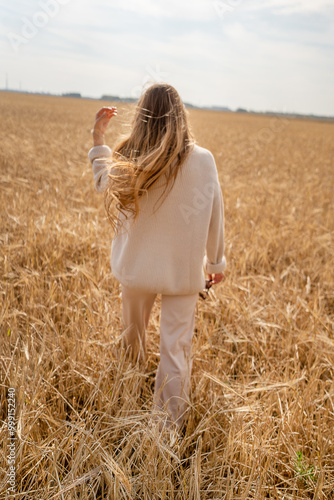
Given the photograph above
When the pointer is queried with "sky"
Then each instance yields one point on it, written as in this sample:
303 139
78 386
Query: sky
261 55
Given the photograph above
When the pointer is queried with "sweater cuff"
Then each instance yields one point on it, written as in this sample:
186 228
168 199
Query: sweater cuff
214 268
103 151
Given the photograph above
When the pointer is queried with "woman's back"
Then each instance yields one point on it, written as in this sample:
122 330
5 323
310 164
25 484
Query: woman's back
162 250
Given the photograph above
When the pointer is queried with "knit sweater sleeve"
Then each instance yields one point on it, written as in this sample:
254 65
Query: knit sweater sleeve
99 158
215 261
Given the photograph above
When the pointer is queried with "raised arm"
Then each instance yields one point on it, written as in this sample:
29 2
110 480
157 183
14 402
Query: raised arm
102 119
99 153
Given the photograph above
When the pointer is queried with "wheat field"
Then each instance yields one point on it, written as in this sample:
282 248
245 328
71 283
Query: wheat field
261 422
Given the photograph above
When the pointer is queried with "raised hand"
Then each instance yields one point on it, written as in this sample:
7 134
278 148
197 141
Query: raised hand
102 119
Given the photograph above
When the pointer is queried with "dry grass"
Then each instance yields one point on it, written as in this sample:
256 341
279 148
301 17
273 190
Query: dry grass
262 417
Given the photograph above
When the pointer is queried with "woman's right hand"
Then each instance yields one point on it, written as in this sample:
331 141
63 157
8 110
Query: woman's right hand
102 119
216 278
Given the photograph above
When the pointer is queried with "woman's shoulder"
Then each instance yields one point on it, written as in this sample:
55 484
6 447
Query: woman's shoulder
202 153
202 156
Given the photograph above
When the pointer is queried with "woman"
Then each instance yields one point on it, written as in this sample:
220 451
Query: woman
164 200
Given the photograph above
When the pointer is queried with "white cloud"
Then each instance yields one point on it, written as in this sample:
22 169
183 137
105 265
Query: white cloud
288 6
174 9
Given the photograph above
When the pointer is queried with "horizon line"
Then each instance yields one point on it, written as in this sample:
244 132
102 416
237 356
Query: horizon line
114 98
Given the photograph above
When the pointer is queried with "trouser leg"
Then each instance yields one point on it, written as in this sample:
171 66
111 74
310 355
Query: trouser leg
136 309
173 378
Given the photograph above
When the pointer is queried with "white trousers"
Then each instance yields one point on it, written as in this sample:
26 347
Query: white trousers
173 378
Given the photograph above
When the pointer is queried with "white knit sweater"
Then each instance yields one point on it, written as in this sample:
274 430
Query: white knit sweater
168 249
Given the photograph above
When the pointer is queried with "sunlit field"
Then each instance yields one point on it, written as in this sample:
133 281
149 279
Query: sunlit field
261 424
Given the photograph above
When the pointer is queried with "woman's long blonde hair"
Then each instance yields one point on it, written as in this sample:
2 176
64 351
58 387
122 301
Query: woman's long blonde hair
157 146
